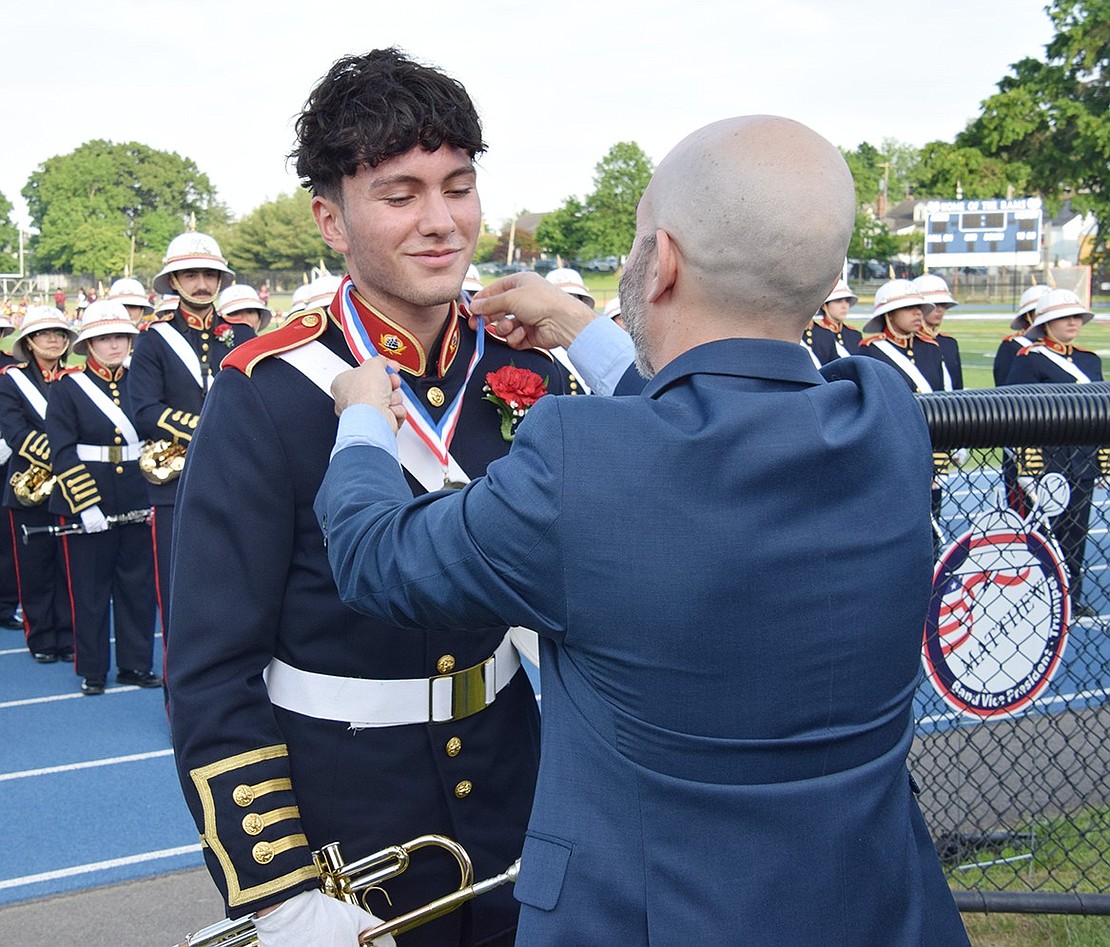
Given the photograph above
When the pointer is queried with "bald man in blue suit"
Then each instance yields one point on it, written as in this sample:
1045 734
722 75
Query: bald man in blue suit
725 721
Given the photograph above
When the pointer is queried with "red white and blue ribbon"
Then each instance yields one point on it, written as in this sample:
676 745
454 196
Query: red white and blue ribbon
436 436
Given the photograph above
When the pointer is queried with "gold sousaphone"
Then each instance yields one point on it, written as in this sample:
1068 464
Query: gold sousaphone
352 881
162 461
33 485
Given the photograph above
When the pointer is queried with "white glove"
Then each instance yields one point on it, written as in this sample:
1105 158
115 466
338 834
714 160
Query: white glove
311 917
959 456
93 520
5 451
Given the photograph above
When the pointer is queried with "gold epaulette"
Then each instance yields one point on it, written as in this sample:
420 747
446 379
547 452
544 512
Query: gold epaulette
301 329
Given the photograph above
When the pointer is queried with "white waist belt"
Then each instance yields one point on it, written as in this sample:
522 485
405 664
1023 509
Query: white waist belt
116 454
391 703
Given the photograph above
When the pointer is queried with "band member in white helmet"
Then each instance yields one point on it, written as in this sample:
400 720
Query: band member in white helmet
41 346
828 336
96 454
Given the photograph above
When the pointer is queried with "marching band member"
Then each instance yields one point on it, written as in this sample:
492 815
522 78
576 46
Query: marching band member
934 289
828 337
96 453
1053 358
40 347
131 294
171 371
241 303
1012 344
296 721
11 615
897 318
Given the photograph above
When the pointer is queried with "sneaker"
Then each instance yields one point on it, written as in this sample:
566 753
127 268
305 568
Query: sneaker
92 686
138 678
45 657
65 654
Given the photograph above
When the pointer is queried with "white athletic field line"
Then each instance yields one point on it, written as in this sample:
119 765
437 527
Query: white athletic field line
88 764
76 695
99 866
23 650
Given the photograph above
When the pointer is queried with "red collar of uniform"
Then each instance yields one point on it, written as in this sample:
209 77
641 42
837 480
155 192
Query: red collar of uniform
50 374
396 342
826 323
927 338
193 321
1053 346
892 338
92 365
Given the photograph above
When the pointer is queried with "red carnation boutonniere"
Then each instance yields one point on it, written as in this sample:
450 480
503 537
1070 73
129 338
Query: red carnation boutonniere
514 390
225 333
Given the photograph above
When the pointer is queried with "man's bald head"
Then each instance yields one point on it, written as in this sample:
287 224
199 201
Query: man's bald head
761 210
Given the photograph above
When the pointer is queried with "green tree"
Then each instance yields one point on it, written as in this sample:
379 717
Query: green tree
563 231
945 171
280 235
610 213
9 238
89 205
871 238
605 222
1053 116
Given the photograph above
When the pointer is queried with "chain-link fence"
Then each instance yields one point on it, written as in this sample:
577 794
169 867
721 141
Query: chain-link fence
1013 718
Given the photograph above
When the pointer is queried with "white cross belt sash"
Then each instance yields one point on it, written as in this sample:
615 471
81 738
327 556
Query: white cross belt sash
903 364
1071 368
29 391
112 411
320 365
363 703
181 348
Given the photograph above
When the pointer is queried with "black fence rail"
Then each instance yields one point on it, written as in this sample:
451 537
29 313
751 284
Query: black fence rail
1012 750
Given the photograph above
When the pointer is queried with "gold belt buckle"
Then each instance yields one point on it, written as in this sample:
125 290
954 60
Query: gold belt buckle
115 454
468 690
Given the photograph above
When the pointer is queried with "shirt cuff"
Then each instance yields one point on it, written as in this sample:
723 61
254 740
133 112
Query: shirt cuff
361 424
601 354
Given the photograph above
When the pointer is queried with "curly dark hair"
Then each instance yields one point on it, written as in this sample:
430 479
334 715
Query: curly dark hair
377 106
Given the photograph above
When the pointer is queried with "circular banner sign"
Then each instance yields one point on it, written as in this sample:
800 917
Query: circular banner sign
998 621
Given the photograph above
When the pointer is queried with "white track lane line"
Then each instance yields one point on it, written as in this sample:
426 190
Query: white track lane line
90 764
98 866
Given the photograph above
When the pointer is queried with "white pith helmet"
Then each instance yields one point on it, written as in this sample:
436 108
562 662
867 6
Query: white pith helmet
130 292
239 297
842 291
570 281
472 282
1028 305
895 294
166 304
35 320
612 308
1055 304
322 290
192 251
935 290
103 317
300 297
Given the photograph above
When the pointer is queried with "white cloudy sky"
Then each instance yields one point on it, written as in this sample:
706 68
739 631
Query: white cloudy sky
220 81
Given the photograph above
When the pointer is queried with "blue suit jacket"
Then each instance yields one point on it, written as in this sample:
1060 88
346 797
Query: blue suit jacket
725 721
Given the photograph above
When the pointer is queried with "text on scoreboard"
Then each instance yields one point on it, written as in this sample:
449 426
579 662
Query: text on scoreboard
996 232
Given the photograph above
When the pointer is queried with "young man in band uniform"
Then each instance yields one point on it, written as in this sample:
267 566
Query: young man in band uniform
359 736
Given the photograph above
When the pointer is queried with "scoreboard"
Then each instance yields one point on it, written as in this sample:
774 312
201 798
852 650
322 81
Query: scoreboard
996 232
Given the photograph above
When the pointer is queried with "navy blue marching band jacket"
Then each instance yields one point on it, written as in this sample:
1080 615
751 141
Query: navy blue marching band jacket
828 341
273 768
171 371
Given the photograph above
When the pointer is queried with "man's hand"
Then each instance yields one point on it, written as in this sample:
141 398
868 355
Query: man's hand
311 917
529 312
94 520
374 384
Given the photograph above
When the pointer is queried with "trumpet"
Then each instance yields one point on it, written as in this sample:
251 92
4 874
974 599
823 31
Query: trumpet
352 881
69 529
